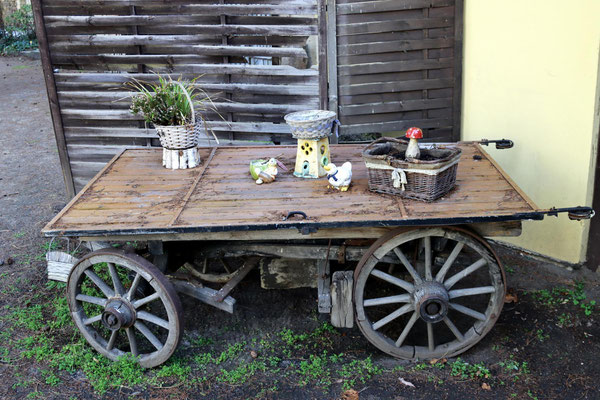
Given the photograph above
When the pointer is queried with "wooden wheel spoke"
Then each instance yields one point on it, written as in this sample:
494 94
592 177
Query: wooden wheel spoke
454 329
112 340
108 292
427 245
467 271
132 342
471 291
451 258
401 311
91 299
144 330
134 285
430 338
138 303
411 270
393 280
407 328
468 311
117 284
403 298
91 320
146 316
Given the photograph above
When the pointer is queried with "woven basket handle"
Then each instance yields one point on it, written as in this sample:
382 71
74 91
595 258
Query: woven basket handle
384 140
189 99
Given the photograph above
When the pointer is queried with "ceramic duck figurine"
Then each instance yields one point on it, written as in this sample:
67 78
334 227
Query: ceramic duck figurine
263 171
339 178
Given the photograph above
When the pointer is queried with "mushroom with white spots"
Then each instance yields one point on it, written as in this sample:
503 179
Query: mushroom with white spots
413 150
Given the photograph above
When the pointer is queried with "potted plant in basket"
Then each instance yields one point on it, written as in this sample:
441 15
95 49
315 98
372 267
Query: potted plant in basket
172 107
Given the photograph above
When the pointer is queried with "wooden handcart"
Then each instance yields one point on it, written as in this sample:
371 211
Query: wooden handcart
427 283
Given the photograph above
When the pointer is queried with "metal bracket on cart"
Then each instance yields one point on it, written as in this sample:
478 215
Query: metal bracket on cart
574 213
500 144
305 230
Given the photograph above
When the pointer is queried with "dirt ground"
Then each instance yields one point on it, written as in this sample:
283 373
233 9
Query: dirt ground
545 345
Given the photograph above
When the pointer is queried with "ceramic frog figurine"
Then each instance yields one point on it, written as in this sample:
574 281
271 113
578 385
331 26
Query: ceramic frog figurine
263 171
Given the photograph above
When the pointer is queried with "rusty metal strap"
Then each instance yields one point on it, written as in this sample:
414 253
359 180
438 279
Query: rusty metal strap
193 187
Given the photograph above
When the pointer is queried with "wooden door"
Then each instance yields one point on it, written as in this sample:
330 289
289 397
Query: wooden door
396 64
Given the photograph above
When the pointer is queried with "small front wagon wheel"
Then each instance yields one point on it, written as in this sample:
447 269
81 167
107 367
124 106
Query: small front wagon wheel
428 293
122 304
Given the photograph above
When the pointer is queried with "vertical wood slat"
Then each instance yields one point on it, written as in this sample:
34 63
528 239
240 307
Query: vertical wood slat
40 32
458 69
323 55
332 59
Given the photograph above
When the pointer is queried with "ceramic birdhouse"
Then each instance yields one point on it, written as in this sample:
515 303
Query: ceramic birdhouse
312 129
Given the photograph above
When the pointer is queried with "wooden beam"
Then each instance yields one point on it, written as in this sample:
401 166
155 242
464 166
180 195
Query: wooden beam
323 92
458 69
332 70
59 133
203 294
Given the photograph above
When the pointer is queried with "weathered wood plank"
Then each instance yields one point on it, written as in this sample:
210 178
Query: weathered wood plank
393 26
59 134
395 125
140 40
342 310
377 6
395 66
392 46
399 86
396 106
182 22
292 8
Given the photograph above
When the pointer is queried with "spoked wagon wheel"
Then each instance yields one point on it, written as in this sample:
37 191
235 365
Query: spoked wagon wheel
428 293
123 304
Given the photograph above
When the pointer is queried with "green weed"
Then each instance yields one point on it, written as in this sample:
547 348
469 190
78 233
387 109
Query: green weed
358 370
541 336
464 370
560 295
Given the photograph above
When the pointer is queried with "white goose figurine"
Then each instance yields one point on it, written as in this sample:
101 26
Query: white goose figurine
339 178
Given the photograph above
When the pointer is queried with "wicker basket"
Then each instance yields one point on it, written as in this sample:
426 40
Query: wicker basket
180 137
313 124
425 180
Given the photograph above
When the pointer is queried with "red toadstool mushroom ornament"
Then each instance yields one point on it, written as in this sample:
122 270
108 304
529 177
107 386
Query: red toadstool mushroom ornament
412 151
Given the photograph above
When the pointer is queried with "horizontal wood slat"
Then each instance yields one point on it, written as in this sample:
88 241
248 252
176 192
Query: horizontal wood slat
377 6
293 8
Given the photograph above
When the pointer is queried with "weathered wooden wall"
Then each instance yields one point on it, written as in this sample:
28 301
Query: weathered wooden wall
398 65
90 48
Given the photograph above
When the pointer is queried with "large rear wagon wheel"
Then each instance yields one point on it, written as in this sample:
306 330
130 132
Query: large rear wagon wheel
122 304
428 293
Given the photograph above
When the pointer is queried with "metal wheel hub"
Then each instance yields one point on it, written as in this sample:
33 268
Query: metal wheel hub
431 301
118 314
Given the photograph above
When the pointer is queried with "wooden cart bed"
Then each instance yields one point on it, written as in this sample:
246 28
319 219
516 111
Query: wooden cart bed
134 195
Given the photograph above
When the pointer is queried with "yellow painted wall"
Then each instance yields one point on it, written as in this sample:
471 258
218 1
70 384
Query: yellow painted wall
531 75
